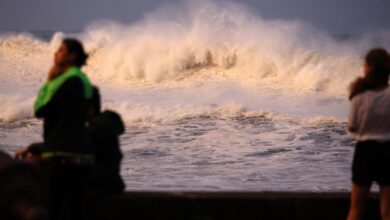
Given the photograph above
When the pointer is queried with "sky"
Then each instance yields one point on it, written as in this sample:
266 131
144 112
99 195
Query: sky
333 16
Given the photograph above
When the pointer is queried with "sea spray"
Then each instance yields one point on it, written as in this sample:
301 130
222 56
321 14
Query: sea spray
222 38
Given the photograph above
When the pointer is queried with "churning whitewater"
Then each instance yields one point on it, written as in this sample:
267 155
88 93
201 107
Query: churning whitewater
214 97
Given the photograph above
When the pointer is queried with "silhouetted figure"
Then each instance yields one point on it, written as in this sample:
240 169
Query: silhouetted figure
105 129
369 121
67 152
23 191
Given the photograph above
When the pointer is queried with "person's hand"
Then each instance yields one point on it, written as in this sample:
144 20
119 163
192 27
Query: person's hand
54 72
21 153
24 155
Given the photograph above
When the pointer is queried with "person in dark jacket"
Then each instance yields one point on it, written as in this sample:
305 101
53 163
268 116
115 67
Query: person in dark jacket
105 129
63 100
67 152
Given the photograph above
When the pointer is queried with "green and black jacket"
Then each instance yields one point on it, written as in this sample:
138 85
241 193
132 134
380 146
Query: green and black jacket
62 103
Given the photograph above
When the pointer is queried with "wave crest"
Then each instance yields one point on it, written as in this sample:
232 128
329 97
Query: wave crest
199 40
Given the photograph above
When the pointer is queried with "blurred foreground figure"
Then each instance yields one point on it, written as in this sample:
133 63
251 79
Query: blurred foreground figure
23 191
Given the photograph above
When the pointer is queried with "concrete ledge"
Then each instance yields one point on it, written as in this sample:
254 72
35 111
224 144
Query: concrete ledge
225 205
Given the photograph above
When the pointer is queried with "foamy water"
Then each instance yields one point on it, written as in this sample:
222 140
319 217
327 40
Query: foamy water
214 97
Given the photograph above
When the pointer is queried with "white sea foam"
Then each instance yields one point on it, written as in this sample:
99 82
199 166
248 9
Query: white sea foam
213 53
217 38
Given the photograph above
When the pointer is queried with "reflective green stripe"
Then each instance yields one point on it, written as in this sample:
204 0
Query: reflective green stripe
48 90
47 155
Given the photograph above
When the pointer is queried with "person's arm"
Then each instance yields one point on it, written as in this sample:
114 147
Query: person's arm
30 154
353 117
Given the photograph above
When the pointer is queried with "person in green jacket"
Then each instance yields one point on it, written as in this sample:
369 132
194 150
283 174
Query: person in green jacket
66 153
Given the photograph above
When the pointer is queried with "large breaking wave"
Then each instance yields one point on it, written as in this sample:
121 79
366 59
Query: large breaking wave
191 44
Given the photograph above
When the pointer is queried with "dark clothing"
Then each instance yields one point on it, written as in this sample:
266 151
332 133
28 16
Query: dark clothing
36 148
67 189
371 163
64 119
65 137
105 129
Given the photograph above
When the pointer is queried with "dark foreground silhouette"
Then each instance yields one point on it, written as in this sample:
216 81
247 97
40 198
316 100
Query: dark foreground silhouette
23 191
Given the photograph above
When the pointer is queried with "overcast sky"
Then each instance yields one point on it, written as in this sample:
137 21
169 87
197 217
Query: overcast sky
334 16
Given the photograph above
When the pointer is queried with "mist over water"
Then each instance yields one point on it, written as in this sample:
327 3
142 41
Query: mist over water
214 96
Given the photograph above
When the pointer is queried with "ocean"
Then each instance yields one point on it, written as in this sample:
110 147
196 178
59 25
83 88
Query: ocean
214 97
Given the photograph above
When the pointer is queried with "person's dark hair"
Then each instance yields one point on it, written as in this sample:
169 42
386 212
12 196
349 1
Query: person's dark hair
75 46
378 60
